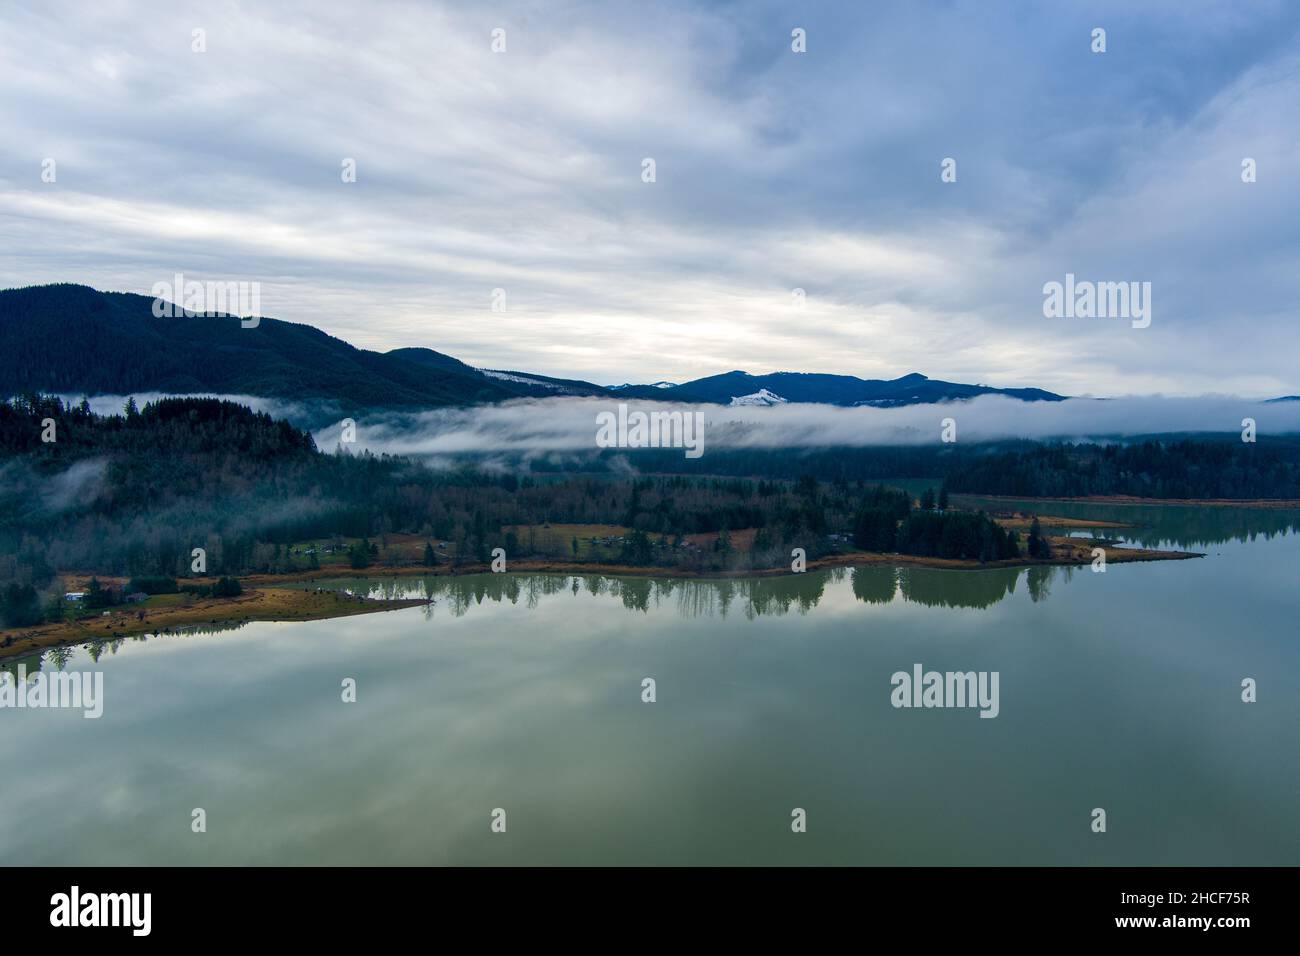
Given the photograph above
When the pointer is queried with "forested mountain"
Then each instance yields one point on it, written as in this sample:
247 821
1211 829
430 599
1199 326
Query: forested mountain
73 340
914 389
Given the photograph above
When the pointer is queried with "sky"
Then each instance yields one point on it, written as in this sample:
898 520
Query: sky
774 171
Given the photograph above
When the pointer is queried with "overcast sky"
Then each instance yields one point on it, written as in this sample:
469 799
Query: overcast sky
775 170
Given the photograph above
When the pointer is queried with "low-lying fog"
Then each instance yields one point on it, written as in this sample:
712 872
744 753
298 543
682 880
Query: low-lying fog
533 426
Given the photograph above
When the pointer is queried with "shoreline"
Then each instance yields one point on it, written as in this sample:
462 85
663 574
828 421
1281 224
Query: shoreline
1114 555
273 604
1261 503
268 598
1022 522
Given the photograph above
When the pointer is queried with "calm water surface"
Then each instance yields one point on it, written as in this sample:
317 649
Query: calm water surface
523 692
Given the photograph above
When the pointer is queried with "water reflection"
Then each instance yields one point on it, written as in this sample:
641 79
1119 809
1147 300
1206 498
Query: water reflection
1160 526
533 702
749 598
58 658
881 584
702 597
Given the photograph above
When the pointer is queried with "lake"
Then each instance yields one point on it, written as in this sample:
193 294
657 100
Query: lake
524 693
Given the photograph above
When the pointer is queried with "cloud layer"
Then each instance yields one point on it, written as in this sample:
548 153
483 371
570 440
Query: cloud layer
570 425
775 171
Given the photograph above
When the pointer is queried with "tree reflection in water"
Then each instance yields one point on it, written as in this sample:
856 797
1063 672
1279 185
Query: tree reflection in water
707 597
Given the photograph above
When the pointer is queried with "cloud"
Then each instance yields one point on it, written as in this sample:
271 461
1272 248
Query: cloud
79 483
569 425
775 171
304 413
28 490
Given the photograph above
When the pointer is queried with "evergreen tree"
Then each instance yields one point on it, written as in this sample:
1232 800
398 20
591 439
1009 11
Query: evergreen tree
1037 545
638 549
227 587
20 605
359 554
96 595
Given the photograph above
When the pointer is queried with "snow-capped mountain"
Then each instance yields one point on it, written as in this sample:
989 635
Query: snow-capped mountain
761 397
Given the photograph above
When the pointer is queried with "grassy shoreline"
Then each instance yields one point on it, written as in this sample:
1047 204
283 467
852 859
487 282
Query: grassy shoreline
272 604
267 599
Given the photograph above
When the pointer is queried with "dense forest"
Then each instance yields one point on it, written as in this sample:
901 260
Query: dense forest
1173 467
1183 468
133 494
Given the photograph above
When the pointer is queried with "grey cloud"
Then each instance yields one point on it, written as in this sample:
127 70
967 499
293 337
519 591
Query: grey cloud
776 170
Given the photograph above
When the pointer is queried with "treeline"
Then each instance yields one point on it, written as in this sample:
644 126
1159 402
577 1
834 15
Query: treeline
54 431
1179 467
887 522
1184 468
960 535
873 463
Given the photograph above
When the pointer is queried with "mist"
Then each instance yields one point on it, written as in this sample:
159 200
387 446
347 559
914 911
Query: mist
312 413
30 491
556 426
540 426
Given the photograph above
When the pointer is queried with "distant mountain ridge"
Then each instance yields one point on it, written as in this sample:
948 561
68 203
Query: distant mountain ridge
72 339
827 389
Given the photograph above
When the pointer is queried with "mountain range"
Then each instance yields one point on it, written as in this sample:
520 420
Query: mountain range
741 388
74 340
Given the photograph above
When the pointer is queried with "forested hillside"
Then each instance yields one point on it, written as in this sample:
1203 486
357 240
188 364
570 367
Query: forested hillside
72 339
